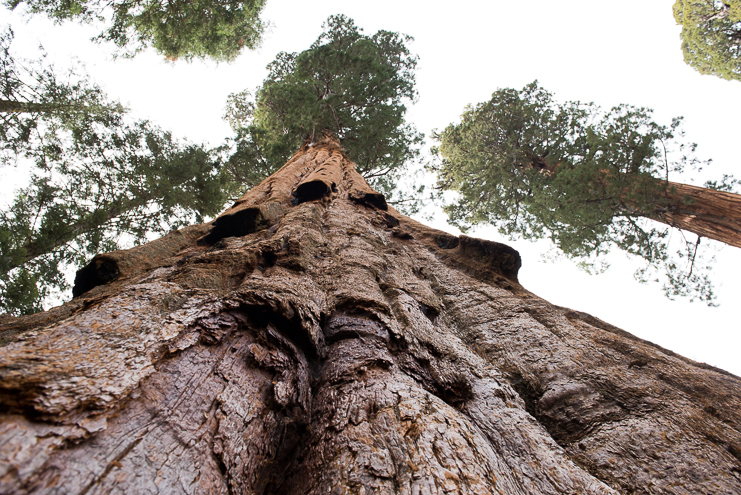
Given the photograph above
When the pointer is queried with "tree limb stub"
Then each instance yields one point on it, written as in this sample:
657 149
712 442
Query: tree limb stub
335 346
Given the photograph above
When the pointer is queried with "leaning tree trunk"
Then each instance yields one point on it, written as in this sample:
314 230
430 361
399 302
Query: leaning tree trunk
705 212
16 106
312 340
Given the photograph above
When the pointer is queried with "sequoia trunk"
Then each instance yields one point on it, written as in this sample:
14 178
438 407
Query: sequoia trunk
312 340
705 212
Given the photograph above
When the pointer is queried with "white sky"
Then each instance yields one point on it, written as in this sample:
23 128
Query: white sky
606 52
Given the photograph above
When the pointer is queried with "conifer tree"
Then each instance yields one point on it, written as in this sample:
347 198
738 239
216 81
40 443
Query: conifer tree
176 29
587 179
711 35
354 85
36 100
96 180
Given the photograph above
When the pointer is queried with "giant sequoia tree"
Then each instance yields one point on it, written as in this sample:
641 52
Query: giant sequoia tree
36 100
313 340
101 181
352 84
711 35
588 180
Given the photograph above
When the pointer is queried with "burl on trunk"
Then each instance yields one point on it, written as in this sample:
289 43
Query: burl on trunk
313 340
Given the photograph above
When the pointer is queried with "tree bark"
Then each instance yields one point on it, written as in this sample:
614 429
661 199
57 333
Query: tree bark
705 212
14 106
312 340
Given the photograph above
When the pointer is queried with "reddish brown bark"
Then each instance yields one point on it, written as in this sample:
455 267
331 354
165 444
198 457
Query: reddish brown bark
705 212
312 340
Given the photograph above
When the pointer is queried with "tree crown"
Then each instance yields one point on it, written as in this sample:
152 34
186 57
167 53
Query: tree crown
176 29
98 181
353 85
711 35
584 178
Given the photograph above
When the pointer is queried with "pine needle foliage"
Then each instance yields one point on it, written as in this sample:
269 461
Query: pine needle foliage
176 29
97 181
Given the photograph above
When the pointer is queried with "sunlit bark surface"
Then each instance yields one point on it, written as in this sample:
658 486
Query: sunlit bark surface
705 212
312 340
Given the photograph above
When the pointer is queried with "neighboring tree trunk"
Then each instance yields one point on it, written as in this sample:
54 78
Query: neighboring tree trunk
706 212
93 221
712 214
13 106
311 340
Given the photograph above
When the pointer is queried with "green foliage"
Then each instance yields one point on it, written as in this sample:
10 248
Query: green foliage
727 184
96 182
34 97
711 35
584 178
104 186
176 29
348 83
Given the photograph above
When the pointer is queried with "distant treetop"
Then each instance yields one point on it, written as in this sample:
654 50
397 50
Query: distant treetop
711 36
351 84
175 28
589 180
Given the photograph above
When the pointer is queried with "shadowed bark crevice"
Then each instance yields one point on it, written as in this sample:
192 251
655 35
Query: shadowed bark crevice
100 271
455 389
288 325
311 191
501 257
445 241
244 222
353 323
528 392
374 199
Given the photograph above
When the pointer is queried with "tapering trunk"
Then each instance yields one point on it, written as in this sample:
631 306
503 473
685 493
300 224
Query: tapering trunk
15 106
705 212
312 340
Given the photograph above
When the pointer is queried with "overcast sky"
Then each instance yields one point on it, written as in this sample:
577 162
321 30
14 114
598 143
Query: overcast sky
605 52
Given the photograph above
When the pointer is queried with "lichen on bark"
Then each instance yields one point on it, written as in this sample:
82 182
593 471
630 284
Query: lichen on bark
313 340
